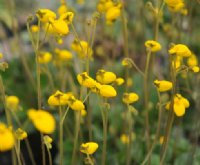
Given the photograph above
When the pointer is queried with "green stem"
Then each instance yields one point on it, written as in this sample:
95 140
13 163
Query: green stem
146 99
130 127
18 152
49 154
104 113
90 162
170 118
77 128
157 130
61 135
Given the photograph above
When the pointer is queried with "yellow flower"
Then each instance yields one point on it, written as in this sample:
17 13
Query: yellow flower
7 140
44 57
1 55
80 2
107 91
105 77
42 120
60 27
177 63
175 5
153 46
124 139
59 98
12 102
62 9
119 81
129 82
83 112
34 28
180 104
82 48
126 62
195 69
45 15
49 28
129 98
86 80
163 85
47 141
20 134
161 139
192 60
75 104
89 148
112 14
64 55
180 50
67 17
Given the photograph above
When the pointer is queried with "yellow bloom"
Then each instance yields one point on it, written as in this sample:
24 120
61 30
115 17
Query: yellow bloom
7 140
180 50
20 134
1 55
126 62
129 82
177 63
153 46
64 55
60 27
82 48
161 139
34 28
59 98
192 60
83 112
195 69
89 148
119 81
105 77
62 9
75 104
175 5
44 57
107 91
47 141
42 120
67 17
129 98
124 139
45 15
12 102
86 80
180 104
112 14
163 85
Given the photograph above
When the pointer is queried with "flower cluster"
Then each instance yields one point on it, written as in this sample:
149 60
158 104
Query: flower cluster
59 98
111 9
179 106
102 84
177 6
51 24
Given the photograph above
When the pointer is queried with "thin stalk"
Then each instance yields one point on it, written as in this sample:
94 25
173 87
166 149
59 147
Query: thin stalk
90 160
77 128
49 154
146 99
104 113
26 140
8 117
157 130
61 135
130 127
170 118
18 152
